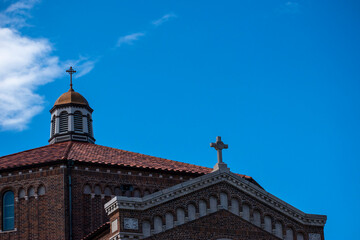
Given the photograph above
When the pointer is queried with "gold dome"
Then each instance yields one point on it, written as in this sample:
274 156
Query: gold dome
71 97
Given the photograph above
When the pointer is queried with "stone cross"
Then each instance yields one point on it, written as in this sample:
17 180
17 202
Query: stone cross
219 146
71 71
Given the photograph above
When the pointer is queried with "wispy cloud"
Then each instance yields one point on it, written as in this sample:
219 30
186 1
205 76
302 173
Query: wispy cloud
129 39
289 7
163 19
132 38
26 64
83 65
15 14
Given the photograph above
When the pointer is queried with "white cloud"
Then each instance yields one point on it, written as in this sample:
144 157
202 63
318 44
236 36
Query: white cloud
129 39
163 19
25 64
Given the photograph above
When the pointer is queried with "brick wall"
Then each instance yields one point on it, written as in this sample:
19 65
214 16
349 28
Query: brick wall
37 216
88 209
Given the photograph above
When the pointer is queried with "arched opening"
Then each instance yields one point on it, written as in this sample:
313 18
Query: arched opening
169 220
202 208
31 192
87 189
213 204
21 193
191 212
146 228
180 216
78 121
157 224
64 122
246 212
107 192
235 206
279 230
257 218
224 200
41 190
289 234
97 190
268 224
8 211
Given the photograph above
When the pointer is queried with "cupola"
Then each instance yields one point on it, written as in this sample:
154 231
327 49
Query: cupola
71 117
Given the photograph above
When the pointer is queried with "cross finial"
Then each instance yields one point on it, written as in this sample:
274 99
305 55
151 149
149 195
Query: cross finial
71 71
219 146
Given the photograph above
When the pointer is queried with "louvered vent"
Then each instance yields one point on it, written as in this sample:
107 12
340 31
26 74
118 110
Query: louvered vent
53 126
78 123
63 122
89 122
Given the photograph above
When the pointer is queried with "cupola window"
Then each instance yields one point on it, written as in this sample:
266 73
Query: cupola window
78 123
53 126
89 123
63 122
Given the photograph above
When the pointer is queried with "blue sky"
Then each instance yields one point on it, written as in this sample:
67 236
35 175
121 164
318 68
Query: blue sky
278 80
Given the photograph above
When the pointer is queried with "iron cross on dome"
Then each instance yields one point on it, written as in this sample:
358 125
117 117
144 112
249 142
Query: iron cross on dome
71 71
219 146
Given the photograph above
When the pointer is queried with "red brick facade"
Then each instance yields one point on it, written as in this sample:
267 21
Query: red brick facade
96 174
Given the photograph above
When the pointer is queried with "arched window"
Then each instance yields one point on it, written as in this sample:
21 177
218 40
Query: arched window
8 211
257 218
278 230
146 228
107 191
202 208
224 200
21 193
169 220
246 212
78 121
191 212
289 234
63 126
87 189
137 193
268 224
89 124
31 192
97 190
213 204
157 224
41 190
235 206
118 191
180 216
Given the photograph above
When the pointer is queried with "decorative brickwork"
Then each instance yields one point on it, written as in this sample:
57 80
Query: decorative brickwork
37 216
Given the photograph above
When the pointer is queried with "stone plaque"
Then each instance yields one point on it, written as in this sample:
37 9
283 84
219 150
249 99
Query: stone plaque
131 223
114 225
314 236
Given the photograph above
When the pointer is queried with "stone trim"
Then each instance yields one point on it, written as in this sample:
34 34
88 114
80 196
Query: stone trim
177 191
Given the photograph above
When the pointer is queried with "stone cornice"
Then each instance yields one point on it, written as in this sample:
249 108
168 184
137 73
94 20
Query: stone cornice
179 190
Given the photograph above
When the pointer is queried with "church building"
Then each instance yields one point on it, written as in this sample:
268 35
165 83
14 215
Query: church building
74 189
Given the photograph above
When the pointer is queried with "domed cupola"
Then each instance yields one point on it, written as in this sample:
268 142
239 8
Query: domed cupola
71 117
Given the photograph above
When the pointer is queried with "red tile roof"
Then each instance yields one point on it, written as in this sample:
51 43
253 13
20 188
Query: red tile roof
93 153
